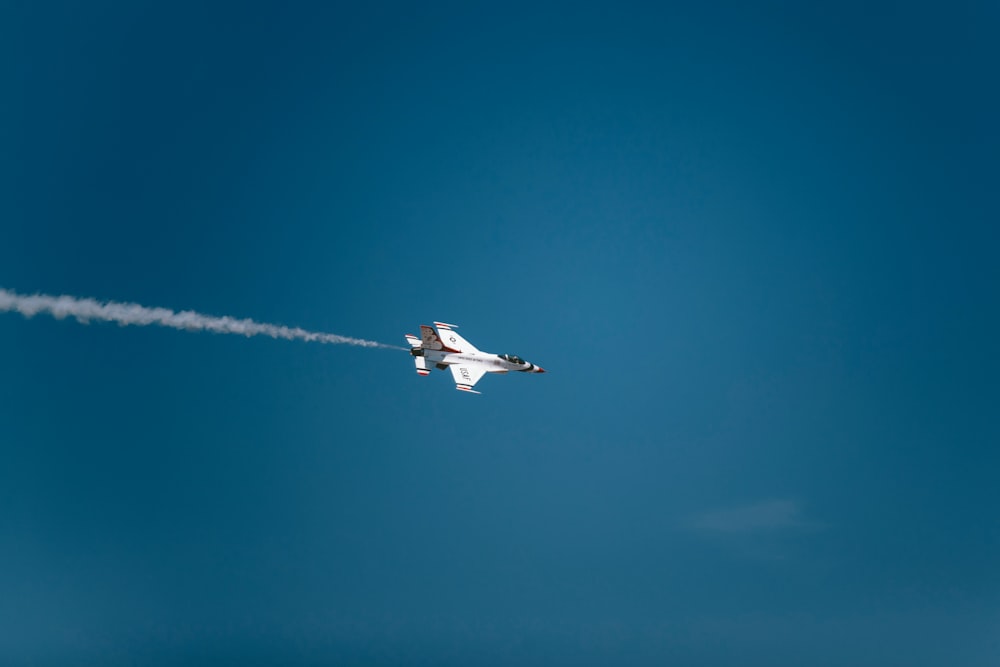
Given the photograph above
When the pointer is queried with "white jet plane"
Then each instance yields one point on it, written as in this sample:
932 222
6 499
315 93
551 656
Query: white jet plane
446 349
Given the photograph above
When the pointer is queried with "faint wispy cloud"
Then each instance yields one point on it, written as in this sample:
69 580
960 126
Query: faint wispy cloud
755 518
765 530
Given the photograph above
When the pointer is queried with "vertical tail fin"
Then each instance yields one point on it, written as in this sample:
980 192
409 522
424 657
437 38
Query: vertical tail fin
431 341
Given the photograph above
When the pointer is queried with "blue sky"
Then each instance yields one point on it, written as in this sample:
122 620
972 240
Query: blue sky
755 247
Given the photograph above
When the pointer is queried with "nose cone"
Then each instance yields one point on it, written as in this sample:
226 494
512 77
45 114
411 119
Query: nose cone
539 369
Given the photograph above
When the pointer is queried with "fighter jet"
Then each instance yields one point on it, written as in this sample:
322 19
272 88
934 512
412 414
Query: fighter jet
444 348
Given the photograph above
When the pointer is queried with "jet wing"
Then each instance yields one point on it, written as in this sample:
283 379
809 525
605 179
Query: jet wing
466 376
451 339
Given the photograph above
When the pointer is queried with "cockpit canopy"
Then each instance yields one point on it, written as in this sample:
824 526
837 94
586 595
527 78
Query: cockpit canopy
512 358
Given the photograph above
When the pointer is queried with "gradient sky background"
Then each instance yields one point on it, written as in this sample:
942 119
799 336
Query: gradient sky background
755 247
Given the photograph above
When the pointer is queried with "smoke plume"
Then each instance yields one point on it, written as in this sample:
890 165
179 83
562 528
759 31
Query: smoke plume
85 310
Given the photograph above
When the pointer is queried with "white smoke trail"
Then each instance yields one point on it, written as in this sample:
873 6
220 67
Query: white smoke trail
85 310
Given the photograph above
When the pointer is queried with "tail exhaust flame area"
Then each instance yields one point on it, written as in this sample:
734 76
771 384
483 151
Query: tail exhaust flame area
85 310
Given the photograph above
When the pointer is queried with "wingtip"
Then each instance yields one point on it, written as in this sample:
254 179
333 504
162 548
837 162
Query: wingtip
446 325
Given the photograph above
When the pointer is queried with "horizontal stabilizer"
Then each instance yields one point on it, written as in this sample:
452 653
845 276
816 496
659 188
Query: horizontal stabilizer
421 364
